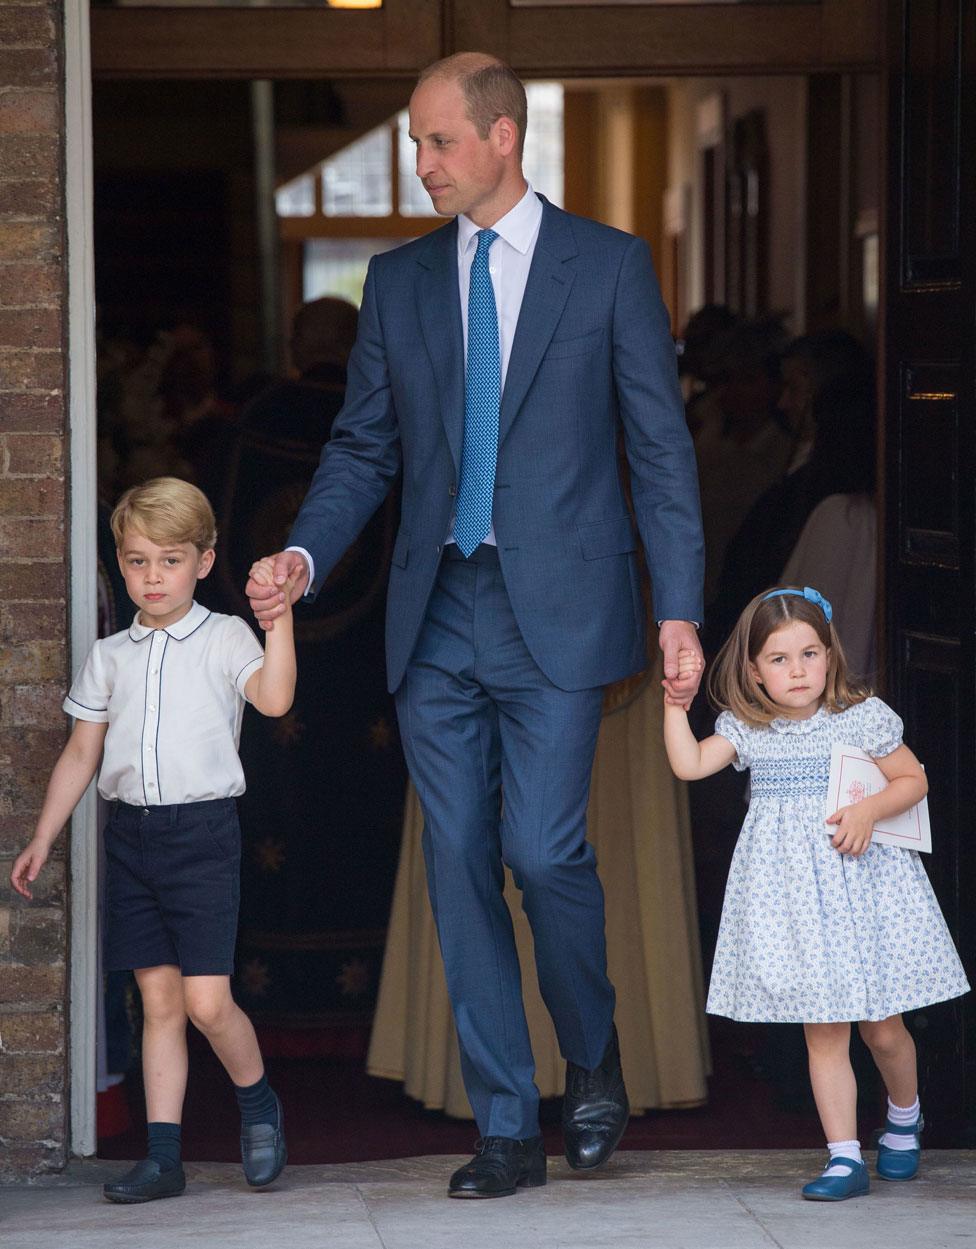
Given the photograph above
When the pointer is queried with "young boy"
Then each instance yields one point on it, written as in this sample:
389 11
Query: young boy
160 704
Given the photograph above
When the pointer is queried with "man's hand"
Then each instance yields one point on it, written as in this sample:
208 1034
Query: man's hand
682 676
288 580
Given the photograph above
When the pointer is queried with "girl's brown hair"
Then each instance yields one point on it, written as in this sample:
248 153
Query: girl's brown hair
731 685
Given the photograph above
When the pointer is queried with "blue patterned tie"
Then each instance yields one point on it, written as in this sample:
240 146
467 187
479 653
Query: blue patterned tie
482 399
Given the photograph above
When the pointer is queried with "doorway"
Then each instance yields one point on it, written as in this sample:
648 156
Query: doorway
714 171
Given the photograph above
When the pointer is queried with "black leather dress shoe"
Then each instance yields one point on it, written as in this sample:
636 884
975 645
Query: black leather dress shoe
263 1150
595 1110
500 1166
145 1182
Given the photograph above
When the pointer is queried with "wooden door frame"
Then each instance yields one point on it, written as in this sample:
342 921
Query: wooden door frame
555 41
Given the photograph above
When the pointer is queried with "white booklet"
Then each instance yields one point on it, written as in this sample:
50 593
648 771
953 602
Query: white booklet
854 776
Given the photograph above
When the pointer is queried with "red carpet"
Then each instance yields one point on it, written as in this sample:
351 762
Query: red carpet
336 1113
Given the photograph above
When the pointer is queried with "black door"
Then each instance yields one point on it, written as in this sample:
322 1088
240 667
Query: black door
930 463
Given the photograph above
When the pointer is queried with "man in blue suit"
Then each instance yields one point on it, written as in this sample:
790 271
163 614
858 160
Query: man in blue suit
497 360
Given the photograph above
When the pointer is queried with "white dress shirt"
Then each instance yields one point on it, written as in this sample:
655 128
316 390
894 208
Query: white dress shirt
173 700
509 262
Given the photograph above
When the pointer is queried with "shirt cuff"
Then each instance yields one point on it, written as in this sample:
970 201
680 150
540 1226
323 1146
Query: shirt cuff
311 568
696 623
246 673
95 715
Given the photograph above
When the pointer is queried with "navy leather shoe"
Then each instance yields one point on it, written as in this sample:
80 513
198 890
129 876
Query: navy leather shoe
263 1150
839 1187
145 1182
501 1165
900 1164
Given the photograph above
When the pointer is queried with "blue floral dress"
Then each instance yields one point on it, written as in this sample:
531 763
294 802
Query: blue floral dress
809 935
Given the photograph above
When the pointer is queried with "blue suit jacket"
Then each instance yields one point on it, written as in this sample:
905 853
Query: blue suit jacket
592 353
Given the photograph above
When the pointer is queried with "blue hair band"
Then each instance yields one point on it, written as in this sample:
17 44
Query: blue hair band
810 594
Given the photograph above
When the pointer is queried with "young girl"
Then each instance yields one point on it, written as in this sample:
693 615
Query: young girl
819 927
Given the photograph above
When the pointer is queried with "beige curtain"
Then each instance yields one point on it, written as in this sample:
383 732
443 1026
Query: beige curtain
638 824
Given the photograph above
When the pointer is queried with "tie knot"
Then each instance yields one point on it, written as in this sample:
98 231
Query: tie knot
485 239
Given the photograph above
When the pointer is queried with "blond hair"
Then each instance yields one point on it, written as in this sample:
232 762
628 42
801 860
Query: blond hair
731 685
167 511
491 90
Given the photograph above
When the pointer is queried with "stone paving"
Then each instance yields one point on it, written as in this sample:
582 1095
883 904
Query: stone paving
656 1200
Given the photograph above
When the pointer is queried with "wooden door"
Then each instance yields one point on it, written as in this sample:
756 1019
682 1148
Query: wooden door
930 525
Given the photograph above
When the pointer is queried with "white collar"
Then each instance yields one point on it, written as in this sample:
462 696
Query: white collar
179 630
518 227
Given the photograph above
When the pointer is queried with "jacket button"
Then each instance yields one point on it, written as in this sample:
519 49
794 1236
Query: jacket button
452 489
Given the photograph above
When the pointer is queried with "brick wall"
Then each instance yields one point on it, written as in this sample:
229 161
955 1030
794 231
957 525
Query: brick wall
33 556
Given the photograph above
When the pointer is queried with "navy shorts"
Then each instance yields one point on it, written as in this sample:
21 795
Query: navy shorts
172 887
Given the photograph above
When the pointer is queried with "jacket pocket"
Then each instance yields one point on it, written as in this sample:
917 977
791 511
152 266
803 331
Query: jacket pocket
400 549
560 348
607 537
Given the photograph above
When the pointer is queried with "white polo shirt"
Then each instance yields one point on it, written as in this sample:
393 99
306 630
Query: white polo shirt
173 700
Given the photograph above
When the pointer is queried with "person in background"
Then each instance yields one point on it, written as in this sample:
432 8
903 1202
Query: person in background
695 350
835 399
746 450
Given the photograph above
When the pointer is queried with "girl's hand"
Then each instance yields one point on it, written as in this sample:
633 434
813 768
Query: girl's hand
854 834
27 866
689 663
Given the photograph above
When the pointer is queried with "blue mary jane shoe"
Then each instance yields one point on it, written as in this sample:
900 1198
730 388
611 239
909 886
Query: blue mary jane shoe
838 1187
900 1164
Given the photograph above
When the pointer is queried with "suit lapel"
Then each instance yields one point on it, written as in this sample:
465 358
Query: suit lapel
546 291
439 309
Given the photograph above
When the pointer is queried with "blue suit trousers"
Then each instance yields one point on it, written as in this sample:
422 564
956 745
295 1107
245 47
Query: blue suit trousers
501 759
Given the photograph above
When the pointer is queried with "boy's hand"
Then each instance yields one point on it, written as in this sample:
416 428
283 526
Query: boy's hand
268 601
27 866
288 589
856 826
262 571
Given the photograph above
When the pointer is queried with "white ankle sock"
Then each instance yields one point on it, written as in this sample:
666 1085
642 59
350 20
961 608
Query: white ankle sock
843 1149
904 1116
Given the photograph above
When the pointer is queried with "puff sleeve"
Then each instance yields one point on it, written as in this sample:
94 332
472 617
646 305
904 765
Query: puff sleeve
880 728
737 733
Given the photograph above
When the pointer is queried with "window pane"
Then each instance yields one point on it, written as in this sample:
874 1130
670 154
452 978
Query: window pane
296 198
543 160
356 181
414 200
338 266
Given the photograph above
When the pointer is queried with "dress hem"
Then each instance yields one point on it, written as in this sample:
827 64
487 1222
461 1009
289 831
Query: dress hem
869 1018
